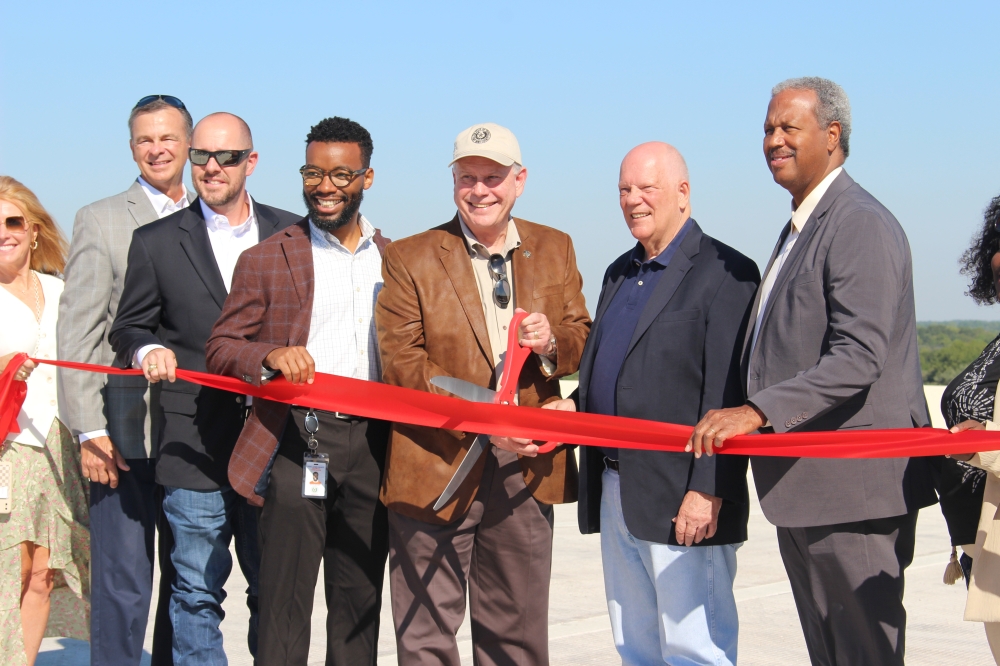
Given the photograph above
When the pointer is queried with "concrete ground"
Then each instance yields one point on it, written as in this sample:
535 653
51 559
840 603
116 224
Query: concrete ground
580 633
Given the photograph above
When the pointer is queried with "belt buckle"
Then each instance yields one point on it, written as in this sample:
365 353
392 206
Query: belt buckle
342 416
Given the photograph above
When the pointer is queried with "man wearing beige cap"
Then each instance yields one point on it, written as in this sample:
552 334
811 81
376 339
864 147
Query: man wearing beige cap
449 296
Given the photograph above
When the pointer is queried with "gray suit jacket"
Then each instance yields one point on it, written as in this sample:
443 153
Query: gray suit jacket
95 275
837 350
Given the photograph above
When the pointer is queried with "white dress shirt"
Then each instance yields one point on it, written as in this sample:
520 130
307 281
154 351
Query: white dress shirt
22 333
800 216
228 243
163 206
342 338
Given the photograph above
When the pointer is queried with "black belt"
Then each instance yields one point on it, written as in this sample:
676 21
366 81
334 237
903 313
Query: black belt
610 464
337 415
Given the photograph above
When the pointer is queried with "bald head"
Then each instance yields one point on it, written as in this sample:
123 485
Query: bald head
225 137
225 127
660 156
654 194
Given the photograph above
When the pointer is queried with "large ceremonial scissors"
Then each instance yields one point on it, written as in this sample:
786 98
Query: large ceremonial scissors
505 394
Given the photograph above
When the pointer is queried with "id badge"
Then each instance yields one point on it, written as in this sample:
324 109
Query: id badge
314 466
6 476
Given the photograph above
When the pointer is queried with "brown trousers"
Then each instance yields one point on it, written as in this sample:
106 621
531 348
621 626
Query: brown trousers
501 550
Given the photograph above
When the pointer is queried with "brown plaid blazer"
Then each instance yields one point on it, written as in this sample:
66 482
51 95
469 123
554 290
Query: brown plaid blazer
269 307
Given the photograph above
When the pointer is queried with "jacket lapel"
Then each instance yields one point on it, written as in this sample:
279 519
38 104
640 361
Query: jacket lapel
790 267
455 258
675 271
198 248
524 269
266 224
139 208
748 336
297 248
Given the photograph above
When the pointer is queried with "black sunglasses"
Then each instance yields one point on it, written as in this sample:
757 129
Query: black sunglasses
501 286
223 157
16 224
169 99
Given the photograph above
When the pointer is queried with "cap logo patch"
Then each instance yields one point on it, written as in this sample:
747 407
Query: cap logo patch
480 135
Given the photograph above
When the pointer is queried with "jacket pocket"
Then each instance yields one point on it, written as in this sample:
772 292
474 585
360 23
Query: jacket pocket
864 417
547 290
678 315
802 278
174 402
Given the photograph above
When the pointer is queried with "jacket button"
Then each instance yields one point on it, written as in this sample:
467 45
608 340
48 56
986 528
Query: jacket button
248 379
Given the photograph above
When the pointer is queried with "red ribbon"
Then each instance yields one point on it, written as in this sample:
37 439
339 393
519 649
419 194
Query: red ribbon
393 403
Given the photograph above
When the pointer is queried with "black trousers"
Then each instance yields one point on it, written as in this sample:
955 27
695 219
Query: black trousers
847 581
123 523
348 531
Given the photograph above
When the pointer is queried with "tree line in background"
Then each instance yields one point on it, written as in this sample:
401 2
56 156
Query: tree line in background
947 348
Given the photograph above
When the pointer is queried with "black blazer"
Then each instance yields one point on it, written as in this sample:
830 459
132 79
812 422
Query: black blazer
173 294
683 360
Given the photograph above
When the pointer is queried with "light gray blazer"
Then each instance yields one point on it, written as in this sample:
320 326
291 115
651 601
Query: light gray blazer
95 275
837 350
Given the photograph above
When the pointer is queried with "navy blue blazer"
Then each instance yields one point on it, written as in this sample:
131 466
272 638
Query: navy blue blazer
683 360
173 295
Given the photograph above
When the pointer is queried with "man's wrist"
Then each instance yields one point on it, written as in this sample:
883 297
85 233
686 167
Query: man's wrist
553 349
93 434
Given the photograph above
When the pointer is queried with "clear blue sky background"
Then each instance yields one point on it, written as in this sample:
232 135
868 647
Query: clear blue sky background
579 83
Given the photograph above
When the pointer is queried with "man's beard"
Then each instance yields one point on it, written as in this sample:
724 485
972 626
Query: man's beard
223 198
330 223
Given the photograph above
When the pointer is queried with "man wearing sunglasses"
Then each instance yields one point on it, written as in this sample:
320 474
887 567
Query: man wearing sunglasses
449 298
179 274
302 303
111 415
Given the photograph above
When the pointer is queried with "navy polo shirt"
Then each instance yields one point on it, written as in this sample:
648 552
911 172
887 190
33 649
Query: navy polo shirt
618 325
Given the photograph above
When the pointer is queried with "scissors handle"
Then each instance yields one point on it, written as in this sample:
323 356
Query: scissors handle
513 362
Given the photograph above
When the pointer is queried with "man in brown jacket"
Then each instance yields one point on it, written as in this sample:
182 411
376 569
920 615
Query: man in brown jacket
449 296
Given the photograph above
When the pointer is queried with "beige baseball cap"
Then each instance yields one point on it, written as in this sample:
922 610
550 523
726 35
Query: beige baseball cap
487 140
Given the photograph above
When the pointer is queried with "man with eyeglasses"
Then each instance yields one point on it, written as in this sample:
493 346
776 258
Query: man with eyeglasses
179 274
449 298
302 303
111 415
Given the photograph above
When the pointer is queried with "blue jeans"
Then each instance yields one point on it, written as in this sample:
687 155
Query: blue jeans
203 524
668 604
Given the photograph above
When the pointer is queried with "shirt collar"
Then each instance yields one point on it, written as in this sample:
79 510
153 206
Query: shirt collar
663 258
511 241
216 222
801 214
162 204
326 239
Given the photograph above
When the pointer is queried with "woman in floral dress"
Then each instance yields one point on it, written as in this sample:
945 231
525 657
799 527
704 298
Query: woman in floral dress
44 537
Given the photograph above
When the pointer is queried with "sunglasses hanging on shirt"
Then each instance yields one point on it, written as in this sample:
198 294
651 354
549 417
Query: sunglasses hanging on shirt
501 286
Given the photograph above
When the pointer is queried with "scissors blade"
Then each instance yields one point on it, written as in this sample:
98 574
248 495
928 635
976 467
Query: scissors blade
463 389
471 456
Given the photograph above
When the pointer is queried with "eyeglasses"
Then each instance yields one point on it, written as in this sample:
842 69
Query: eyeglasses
501 286
16 224
169 99
224 158
313 176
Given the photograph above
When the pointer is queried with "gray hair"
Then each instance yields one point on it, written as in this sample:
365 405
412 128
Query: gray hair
159 105
832 104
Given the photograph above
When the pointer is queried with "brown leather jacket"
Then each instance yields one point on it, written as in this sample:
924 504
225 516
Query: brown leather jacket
430 322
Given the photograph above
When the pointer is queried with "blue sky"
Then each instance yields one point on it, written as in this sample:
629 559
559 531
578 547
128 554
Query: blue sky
579 83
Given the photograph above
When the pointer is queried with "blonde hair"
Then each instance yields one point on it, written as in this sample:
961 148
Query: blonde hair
50 255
